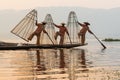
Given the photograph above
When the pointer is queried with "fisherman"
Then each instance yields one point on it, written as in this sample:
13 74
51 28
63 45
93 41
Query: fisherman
85 28
61 32
37 32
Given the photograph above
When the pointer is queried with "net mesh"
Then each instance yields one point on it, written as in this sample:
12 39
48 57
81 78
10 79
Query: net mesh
26 26
73 28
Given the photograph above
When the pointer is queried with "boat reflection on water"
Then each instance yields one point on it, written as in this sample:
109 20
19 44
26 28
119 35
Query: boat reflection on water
60 64
55 64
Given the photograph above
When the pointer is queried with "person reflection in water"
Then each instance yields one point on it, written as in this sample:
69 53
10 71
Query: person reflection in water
62 60
40 66
83 60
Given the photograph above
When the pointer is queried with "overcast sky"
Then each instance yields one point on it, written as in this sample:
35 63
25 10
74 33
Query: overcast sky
28 4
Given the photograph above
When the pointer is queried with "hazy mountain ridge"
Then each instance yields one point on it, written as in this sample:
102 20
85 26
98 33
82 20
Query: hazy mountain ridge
104 22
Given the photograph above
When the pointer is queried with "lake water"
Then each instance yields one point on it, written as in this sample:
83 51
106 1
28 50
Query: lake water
90 62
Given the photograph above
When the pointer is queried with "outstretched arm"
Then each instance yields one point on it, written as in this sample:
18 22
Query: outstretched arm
45 31
67 32
56 25
80 23
90 31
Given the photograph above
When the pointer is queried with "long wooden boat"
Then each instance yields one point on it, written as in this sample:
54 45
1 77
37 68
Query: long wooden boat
43 46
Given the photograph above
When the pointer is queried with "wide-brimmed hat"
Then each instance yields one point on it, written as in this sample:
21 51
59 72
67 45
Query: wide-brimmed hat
63 23
43 22
86 23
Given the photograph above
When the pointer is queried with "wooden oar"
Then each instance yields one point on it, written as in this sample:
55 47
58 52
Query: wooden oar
99 41
70 39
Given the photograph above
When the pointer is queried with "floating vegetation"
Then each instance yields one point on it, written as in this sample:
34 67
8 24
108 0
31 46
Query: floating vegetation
110 39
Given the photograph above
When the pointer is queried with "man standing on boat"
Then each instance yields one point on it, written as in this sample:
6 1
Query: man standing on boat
85 28
37 32
61 32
